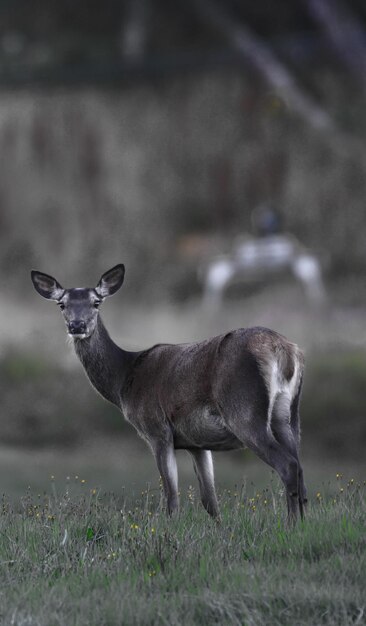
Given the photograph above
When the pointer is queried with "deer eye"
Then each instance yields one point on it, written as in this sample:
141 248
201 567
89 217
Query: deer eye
62 306
96 304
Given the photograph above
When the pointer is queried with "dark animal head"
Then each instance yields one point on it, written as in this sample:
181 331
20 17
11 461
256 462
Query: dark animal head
79 306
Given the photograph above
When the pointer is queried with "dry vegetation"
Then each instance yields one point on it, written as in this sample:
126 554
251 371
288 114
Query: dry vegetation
129 175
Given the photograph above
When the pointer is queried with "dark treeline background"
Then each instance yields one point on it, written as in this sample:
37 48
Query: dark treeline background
147 132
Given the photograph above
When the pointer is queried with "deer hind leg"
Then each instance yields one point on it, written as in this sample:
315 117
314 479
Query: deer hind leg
295 427
286 436
248 418
167 465
203 466
275 454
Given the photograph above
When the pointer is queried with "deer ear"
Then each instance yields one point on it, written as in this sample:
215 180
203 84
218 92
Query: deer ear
46 285
111 281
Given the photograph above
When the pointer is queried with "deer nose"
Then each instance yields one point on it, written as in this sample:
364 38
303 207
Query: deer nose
77 327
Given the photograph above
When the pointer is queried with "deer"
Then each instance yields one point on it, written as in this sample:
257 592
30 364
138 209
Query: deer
240 389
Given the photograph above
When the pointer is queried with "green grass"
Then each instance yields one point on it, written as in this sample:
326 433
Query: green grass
94 559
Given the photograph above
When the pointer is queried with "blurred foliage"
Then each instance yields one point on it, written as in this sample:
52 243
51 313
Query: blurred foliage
333 404
43 404
17 368
54 32
133 174
69 31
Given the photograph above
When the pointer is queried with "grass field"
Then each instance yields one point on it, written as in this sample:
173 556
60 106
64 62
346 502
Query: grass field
81 558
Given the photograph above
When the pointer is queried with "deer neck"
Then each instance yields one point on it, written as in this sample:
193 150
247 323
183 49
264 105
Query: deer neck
106 364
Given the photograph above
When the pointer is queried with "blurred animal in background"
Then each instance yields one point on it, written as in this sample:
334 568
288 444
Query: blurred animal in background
256 258
240 389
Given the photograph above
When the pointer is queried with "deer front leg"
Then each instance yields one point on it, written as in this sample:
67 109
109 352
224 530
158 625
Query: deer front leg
167 466
203 466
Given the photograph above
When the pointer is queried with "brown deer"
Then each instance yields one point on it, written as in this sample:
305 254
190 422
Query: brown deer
240 389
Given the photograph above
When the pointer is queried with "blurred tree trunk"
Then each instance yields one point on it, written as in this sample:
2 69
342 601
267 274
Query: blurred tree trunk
343 31
260 56
134 33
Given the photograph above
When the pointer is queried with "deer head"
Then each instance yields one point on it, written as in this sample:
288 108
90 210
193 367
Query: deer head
79 306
